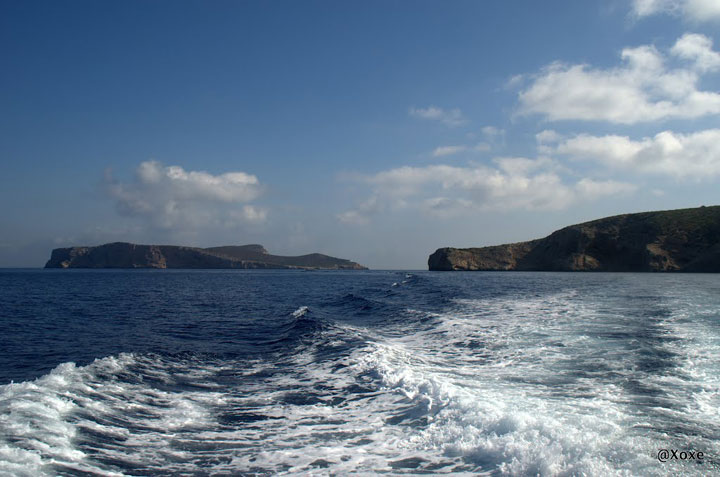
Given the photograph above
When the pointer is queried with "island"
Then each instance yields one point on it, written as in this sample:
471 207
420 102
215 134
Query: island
129 255
683 240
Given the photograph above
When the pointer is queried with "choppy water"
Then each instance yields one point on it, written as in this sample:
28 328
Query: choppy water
317 373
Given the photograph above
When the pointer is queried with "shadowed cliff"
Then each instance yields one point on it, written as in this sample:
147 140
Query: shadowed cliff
128 255
684 240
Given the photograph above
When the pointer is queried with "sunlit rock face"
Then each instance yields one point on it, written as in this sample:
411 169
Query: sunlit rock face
684 240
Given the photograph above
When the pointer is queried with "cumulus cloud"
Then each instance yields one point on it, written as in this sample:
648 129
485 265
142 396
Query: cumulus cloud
492 132
697 48
448 150
516 183
589 189
686 156
547 136
248 213
493 136
170 196
360 215
228 187
545 140
642 89
524 166
644 8
481 147
445 206
451 117
694 10
451 150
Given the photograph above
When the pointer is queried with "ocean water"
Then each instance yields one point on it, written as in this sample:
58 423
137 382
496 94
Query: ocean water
158 372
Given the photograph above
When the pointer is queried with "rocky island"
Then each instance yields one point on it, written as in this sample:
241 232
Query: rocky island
683 240
129 255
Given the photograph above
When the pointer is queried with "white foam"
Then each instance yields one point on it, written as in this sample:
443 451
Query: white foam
504 385
302 311
509 417
37 431
43 420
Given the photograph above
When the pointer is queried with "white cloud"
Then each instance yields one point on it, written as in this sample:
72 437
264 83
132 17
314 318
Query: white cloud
170 196
525 166
689 156
697 48
701 10
515 82
611 149
445 207
443 151
228 187
353 217
492 131
546 140
452 117
642 89
547 136
650 7
494 137
360 215
481 147
249 213
448 150
694 10
517 183
592 189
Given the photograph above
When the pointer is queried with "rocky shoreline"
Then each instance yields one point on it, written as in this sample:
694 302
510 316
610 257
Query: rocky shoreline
683 240
128 255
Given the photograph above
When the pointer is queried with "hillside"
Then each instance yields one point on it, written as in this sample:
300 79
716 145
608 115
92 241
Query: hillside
128 255
683 240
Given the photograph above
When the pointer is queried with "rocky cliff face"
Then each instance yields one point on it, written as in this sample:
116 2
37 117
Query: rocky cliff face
685 240
128 255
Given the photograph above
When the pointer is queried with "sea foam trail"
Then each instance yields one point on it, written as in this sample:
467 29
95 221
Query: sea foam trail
79 419
38 431
549 384
558 400
474 414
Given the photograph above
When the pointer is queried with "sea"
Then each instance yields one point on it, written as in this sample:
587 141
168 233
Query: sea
290 372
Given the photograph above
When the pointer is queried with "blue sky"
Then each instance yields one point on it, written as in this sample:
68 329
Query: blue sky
374 131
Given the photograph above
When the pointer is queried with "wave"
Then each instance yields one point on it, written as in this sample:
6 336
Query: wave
543 384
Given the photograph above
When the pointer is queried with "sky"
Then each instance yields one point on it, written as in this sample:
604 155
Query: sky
376 131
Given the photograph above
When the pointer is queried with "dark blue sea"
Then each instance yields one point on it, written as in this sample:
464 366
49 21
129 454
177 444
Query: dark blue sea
161 372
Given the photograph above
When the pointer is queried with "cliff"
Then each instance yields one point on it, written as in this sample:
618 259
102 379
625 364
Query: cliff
684 240
128 255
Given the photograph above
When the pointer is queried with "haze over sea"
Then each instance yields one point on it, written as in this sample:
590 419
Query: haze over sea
159 372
